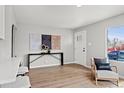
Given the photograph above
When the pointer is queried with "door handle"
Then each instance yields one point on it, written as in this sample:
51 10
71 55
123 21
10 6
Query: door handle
83 49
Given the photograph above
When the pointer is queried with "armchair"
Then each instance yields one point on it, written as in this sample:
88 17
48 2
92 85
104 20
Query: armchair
104 74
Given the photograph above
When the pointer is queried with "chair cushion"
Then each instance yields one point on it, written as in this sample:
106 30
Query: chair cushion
21 82
105 74
101 60
101 64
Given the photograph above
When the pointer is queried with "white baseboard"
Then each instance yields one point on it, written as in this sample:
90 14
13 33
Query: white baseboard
49 65
45 65
88 67
70 62
122 77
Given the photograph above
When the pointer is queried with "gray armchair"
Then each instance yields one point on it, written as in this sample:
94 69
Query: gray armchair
104 74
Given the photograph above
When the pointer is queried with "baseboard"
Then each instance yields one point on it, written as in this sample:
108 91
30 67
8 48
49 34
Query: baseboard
89 67
70 62
122 77
49 65
45 65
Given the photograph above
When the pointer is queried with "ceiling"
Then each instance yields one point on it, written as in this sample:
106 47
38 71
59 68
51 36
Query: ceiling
64 16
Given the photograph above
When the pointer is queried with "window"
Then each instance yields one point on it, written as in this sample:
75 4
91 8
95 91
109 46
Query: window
115 43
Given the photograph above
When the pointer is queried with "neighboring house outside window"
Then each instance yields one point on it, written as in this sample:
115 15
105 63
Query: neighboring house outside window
115 43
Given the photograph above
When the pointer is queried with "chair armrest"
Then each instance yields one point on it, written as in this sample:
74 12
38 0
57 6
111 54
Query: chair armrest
93 71
93 68
115 68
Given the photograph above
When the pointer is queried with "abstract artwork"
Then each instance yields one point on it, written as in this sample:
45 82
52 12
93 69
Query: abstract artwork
56 42
35 42
46 40
42 41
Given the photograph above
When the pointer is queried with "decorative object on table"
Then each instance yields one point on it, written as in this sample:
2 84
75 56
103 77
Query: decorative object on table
43 47
46 47
48 51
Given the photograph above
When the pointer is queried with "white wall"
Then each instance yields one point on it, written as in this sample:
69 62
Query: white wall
22 40
97 35
2 18
5 45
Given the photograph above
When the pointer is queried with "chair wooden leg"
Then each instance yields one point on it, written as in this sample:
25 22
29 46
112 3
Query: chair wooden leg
96 81
118 82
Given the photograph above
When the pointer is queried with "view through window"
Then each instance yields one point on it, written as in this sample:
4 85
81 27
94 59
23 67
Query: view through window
115 42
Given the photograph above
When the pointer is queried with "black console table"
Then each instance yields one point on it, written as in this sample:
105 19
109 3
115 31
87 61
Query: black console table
61 55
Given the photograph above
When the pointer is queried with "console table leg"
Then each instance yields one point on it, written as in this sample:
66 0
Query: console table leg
28 61
61 59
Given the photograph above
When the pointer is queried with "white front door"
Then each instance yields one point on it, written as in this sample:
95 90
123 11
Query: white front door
80 47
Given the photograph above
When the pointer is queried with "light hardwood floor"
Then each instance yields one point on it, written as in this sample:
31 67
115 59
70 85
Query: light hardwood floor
67 76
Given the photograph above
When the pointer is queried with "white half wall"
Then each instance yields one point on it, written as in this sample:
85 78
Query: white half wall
5 45
22 42
120 67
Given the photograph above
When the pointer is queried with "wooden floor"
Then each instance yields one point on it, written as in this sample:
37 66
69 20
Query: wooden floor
67 76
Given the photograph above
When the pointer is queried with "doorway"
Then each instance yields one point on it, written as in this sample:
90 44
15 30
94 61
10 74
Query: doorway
80 47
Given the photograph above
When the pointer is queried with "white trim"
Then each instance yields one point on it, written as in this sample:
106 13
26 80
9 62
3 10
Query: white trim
122 77
49 65
45 65
88 67
106 42
70 62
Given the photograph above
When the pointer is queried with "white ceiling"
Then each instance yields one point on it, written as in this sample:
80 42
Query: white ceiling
61 16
